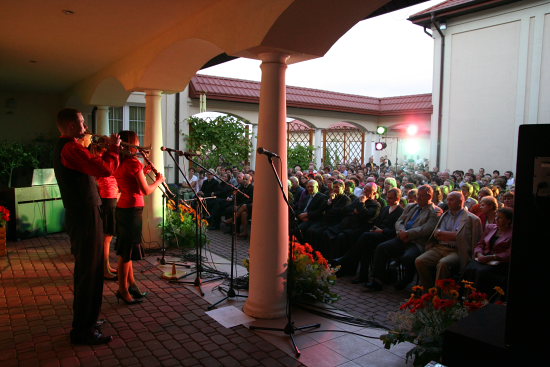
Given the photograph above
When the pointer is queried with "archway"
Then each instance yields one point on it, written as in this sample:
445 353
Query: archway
343 143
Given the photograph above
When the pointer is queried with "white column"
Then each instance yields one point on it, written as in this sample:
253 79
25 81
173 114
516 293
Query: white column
318 144
269 237
152 214
254 138
102 119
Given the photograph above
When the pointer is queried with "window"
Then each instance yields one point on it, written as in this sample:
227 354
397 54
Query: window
115 120
137 121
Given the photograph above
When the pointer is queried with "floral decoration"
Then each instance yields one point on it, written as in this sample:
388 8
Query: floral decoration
312 276
428 313
179 226
4 216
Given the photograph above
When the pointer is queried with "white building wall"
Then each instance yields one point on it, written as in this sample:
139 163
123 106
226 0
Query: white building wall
496 77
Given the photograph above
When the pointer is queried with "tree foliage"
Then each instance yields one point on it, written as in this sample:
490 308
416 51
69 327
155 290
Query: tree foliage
300 155
224 140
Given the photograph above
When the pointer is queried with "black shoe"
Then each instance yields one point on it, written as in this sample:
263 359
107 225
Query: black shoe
373 287
358 281
132 302
135 292
95 338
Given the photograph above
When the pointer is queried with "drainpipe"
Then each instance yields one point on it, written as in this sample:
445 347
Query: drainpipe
441 69
177 134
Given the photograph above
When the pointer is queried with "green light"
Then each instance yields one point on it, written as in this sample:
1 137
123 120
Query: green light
381 130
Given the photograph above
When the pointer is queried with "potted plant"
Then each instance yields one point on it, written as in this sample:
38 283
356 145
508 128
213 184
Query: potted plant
428 313
179 227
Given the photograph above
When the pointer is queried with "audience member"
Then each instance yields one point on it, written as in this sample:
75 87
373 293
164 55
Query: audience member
489 267
450 246
413 229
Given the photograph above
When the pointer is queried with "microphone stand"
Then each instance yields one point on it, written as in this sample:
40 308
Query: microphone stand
198 235
230 292
289 329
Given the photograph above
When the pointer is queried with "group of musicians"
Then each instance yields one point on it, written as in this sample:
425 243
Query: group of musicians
94 216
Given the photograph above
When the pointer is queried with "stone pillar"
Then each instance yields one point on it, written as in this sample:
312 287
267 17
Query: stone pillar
254 138
152 214
318 144
102 119
269 236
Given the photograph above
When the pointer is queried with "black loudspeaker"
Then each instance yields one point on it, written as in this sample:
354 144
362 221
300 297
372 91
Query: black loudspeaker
517 333
528 314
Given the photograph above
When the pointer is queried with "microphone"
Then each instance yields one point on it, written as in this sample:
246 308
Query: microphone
267 153
178 152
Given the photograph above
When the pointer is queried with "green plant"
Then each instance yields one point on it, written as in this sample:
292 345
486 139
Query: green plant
300 155
222 140
311 277
179 227
425 316
36 154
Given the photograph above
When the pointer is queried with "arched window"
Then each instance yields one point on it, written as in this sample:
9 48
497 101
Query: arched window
343 143
299 133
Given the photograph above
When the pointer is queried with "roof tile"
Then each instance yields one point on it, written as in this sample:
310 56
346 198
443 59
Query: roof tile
240 90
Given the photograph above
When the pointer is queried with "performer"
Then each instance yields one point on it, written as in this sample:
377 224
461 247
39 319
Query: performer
133 186
108 191
75 168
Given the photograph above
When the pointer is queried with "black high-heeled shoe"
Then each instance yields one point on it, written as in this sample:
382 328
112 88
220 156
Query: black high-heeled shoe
132 302
135 292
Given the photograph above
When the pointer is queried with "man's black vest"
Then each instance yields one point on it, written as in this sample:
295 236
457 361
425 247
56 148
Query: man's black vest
77 189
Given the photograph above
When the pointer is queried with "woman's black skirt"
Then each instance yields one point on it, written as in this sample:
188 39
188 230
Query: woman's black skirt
128 232
108 216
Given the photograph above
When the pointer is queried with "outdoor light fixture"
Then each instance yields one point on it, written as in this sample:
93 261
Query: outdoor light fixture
380 146
380 130
412 130
442 25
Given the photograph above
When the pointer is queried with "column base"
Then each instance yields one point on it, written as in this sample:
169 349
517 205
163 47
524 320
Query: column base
257 311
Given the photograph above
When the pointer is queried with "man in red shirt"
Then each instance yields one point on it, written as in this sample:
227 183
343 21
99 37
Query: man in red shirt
75 169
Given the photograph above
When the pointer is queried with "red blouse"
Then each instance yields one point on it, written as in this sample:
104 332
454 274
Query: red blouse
108 188
126 178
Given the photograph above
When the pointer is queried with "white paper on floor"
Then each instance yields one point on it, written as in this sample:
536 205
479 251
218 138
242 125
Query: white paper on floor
229 316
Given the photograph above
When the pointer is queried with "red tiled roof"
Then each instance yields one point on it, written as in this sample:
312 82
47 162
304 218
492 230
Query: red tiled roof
454 8
238 90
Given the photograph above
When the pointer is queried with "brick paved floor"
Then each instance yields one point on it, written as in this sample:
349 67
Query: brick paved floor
169 329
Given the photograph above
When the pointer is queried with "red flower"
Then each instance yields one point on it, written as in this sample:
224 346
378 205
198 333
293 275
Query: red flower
446 284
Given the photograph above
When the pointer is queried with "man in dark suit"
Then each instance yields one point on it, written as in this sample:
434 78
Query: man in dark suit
413 229
362 250
310 209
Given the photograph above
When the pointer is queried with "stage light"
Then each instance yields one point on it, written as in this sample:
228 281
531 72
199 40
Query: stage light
380 146
412 130
380 130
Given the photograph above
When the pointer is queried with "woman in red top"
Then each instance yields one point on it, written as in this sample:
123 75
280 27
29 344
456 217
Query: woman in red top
133 187
108 191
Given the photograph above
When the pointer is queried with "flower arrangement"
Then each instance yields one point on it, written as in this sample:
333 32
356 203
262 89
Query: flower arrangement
179 226
428 313
4 216
312 276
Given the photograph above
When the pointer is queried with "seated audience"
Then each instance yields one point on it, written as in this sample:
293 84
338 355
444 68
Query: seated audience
362 251
413 229
467 191
488 210
450 246
491 258
311 207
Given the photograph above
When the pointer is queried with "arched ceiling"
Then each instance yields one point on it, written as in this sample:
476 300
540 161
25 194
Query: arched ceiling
82 47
